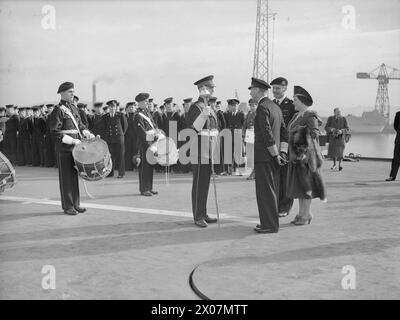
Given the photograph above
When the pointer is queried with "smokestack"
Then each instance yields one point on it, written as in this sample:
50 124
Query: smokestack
94 92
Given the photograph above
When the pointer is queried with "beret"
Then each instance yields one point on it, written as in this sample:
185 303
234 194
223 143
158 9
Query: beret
98 104
212 99
65 86
142 96
187 100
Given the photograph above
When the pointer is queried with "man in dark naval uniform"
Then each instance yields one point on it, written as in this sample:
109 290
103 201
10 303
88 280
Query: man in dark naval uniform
146 134
38 135
11 133
113 128
130 137
50 153
279 87
396 153
95 122
204 121
235 121
270 148
67 130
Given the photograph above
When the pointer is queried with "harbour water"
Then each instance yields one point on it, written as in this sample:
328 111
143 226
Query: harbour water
371 145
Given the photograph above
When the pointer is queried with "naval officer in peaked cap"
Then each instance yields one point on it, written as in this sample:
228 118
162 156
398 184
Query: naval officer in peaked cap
270 143
204 121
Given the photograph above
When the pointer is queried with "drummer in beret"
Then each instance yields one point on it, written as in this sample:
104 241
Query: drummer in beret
142 97
65 86
146 132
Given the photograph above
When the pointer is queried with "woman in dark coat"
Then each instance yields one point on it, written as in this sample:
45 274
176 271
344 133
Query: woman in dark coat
305 159
337 129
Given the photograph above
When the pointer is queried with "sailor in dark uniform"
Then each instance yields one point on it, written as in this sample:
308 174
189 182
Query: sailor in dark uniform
3 120
38 135
396 153
235 123
11 133
113 128
130 137
146 133
50 152
82 113
95 122
67 130
204 121
270 143
20 145
279 87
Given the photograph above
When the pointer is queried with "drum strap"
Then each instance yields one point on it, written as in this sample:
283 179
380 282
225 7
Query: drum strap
69 114
147 119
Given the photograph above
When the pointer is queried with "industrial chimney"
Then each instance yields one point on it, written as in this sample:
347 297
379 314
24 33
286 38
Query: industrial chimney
94 92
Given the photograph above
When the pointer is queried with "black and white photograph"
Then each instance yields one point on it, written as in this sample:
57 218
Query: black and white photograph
196 150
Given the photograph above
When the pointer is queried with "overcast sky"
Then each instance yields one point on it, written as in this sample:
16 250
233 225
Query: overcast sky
162 47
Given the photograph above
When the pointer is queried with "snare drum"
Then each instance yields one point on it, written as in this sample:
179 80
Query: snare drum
7 173
92 159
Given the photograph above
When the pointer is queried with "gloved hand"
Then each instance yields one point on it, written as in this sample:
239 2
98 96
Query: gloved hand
206 112
278 160
284 156
76 142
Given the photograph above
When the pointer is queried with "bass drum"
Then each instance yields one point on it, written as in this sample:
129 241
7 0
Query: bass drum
7 173
167 153
92 159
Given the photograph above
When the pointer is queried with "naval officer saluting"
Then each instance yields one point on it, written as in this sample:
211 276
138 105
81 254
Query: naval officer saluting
204 121
67 130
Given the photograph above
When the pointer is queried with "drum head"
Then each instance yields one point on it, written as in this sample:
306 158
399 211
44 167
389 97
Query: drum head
167 152
90 151
7 173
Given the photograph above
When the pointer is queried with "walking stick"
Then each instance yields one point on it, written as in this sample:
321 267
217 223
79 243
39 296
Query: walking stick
213 176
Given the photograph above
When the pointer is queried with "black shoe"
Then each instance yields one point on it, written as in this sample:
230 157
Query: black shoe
340 168
210 220
261 230
153 192
283 214
201 223
70 212
390 179
80 209
146 193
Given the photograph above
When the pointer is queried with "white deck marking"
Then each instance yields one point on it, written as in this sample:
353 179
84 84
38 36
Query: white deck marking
109 207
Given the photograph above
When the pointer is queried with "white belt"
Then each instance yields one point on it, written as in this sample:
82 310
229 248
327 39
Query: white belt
70 131
211 133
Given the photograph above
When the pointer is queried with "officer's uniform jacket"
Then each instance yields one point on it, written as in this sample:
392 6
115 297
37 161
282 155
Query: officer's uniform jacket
114 128
206 129
270 134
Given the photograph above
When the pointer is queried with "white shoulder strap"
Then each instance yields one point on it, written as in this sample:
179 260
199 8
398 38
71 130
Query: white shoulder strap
147 119
66 110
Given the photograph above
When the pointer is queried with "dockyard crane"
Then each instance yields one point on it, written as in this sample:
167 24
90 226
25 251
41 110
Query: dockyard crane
383 74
